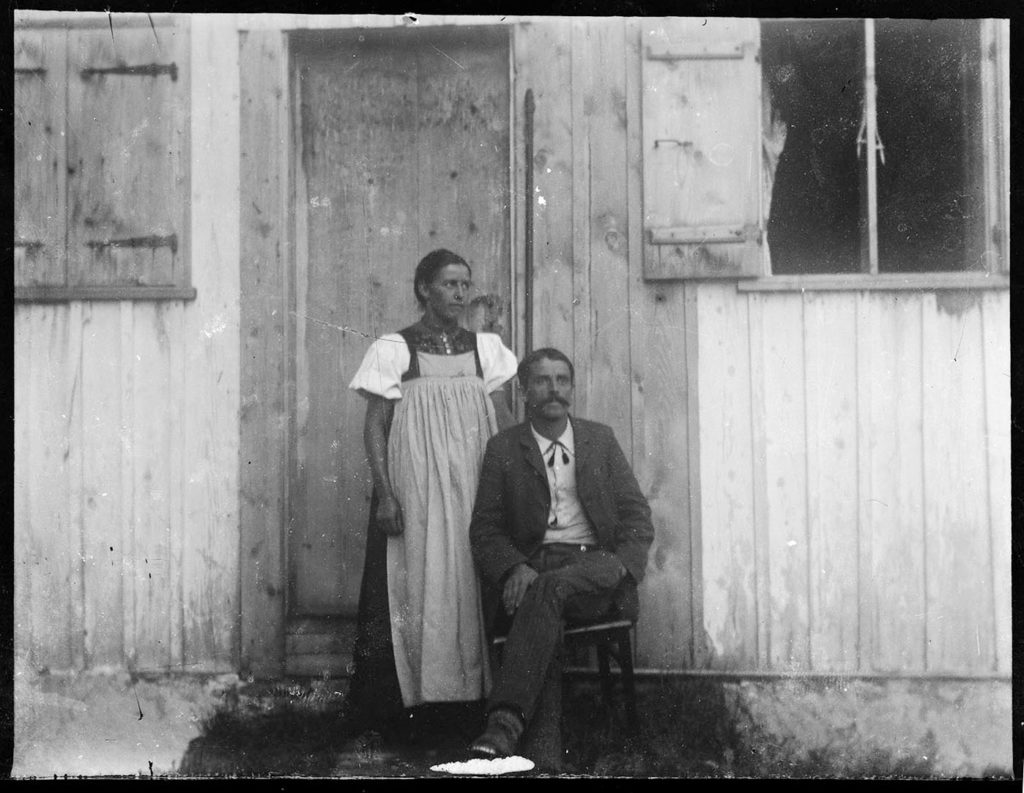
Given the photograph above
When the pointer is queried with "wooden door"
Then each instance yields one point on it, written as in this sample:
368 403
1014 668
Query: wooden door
401 146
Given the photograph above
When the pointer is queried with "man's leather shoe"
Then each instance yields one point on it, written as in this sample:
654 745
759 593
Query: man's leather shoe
501 735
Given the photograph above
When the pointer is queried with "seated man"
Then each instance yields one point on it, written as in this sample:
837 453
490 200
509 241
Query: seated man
559 531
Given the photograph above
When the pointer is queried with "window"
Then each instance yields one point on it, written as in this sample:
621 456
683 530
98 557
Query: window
825 147
101 170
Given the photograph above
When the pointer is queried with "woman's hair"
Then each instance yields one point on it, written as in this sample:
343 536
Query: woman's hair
523 373
428 267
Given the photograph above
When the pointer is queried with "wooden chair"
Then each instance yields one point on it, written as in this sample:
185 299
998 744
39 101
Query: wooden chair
611 638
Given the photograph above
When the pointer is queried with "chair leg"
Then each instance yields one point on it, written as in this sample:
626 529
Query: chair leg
603 653
625 659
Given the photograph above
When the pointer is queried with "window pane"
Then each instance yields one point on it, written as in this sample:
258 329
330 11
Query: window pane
930 209
814 77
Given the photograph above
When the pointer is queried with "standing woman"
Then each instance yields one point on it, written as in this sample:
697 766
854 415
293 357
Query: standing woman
434 396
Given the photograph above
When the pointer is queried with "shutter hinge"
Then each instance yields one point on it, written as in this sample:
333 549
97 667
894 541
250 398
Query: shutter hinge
727 52
143 70
154 241
688 235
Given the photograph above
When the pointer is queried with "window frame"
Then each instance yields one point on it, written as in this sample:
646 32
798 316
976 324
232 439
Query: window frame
182 288
994 87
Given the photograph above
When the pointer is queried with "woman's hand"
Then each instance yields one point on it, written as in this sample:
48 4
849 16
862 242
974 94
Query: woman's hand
389 516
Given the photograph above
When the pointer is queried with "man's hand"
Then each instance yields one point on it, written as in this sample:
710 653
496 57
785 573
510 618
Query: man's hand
516 584
389 516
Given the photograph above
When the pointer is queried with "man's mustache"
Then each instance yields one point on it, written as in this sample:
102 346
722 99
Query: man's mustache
557 399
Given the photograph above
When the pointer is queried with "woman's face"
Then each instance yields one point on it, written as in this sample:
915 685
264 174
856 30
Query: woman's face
446 296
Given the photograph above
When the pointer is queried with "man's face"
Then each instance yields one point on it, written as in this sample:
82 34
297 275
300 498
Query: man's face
548 390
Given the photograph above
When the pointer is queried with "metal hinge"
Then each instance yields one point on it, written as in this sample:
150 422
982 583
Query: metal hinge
700 235
154 241
727 52
143 70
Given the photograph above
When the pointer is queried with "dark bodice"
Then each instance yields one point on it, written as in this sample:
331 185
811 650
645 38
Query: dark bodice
421 339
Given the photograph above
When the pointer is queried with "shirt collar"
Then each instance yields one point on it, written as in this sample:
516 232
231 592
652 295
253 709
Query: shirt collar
567 439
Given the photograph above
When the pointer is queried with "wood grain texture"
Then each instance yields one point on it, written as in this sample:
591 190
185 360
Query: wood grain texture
102 458
728 550
665 631
543 63
24 563
702 149
891 495
124 157
152 441
786 479
50 557
210 570
995 317
605 300
960 618
263 416
40 157
830 336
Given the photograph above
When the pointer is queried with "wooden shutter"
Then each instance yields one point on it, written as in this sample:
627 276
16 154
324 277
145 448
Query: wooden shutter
702 148
127 178
39 157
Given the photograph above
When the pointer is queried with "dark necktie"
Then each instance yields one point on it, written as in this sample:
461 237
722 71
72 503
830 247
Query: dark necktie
565 454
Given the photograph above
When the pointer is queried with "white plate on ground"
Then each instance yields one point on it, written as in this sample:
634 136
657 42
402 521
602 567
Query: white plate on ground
486 767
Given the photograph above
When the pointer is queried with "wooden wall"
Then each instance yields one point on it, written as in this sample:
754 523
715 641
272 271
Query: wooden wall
828 471
854 475
126 448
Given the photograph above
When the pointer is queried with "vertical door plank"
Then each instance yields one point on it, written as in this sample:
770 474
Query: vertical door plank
786 477
890 486
603 127
174 319
40 157
958 556
263 417
359 118
153 424
634 239
543 65
462 141
995 316
582 100
830 342
728 550
210 571
101 481
665 632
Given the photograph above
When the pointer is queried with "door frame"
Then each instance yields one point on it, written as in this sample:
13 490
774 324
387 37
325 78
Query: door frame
267 420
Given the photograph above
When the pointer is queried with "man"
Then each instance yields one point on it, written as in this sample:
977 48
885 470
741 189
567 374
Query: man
560 530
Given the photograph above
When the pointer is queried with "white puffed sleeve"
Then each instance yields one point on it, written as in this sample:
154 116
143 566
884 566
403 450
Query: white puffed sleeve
497 361
382 368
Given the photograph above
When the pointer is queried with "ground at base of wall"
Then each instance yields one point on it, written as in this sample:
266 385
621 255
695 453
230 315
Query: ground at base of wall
89 725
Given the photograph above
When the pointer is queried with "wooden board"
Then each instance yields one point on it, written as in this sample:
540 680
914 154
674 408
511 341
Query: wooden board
153 483
124 156
782 394
666 629
958 584
50 556
24 562
40 157
263 414
890 485
995 317
210 550
830 337
728 549
602 316
404 149
102 458
543 65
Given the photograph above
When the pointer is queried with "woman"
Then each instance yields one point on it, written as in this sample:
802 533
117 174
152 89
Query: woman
434 396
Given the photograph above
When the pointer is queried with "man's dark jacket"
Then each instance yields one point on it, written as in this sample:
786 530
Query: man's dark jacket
513 500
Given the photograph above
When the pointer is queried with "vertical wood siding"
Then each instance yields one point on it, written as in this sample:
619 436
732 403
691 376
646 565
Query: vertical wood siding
126 447
881 480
